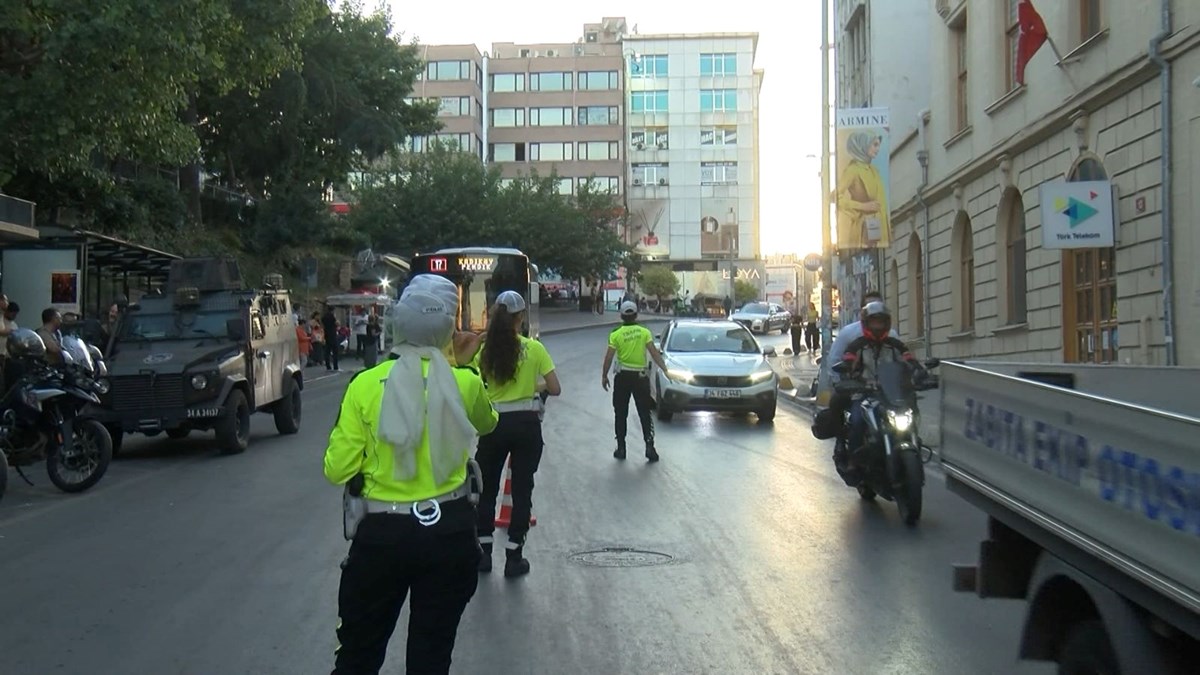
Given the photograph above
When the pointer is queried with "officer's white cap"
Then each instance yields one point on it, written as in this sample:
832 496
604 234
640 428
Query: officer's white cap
511 301
628 308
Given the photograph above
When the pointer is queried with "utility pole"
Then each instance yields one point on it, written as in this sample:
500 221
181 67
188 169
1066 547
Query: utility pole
826 234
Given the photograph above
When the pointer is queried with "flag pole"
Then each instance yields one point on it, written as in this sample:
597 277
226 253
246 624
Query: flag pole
1062 64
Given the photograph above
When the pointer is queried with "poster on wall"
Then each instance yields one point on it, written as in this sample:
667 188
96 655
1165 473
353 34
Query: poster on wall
718 227
64 291
863 214
649 222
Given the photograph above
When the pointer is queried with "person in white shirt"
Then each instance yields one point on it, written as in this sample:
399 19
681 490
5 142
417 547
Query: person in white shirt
359 323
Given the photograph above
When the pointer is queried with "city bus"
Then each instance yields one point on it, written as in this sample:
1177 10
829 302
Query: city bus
481 274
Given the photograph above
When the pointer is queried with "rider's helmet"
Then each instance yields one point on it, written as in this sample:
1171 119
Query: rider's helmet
877 321
25 343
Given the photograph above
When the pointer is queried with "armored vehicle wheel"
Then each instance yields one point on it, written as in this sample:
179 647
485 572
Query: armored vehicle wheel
178 433
288 410
233 429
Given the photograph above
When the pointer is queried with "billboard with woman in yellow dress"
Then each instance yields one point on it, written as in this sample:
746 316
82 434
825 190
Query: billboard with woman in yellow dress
862 179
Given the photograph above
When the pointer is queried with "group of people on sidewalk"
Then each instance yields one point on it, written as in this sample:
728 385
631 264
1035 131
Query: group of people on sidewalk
322 337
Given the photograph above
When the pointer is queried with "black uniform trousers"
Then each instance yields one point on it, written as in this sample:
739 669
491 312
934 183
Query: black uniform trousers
517 435
636 384
391 558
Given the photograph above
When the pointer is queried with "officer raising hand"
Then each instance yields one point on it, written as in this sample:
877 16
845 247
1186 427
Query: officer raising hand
631 344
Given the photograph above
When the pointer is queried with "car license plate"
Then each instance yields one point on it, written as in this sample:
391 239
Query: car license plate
722 393
203 412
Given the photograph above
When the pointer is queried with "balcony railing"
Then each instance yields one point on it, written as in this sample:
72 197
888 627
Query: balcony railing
16 211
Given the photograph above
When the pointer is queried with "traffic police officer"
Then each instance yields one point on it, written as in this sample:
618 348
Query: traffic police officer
630 344
511 365
402 444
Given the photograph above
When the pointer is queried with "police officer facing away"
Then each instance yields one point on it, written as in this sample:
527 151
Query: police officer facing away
511 365
402 440
631 343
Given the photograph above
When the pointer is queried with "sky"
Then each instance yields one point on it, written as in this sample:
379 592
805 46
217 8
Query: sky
789 50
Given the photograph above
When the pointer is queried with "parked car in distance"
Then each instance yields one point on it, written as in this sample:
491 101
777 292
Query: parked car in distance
714 366
763 317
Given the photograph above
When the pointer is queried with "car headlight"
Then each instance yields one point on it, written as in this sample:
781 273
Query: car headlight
900 421
680 374
199 382
102 386
760 375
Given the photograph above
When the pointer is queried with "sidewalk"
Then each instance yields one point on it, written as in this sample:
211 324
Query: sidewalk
567 319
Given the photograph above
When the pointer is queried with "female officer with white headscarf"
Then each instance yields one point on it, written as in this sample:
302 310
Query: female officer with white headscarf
402 440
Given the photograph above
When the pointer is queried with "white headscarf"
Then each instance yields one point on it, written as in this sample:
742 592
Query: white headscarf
423 325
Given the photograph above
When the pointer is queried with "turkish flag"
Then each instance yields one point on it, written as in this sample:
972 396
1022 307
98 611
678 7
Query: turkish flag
1033 36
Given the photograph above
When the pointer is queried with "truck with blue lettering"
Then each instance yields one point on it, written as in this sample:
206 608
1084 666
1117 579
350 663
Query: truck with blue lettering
1090 476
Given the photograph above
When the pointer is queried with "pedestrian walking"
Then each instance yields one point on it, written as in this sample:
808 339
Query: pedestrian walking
631 343
333 340
371 348
401 445
519 374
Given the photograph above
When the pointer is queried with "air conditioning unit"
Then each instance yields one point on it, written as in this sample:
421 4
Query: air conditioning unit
637 181
640 145
551 53
662 181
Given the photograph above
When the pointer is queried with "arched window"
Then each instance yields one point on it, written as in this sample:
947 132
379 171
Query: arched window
1090 292
963 255
916 286
1012 283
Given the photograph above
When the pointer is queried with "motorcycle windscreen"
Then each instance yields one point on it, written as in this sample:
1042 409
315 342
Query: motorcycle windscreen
79 352
895 384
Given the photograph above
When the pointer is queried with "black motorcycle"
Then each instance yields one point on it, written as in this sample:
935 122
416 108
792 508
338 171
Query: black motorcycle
41 419
891 461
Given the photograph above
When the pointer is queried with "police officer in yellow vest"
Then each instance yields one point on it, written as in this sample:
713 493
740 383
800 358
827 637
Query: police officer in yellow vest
511 365
631 344
402 444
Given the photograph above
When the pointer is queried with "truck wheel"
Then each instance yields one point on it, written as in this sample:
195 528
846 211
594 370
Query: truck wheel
88 465
288 410
1087 651
908 493
233 429
117 436
178 433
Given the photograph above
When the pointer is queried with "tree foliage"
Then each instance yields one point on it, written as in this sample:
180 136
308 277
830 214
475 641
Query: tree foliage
659 281
448 198
744 292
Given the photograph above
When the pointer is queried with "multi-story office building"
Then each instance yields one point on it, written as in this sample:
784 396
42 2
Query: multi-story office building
693 153
558 108
975 266
454 76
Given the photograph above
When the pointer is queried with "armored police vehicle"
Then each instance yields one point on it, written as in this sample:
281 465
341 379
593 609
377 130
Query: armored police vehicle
205 354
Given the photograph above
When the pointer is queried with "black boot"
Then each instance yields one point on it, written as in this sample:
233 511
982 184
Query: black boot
619 453
651 453
485 563
514 564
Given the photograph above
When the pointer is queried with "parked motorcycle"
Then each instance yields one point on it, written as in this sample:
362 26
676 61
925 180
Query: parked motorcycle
891 461
41 420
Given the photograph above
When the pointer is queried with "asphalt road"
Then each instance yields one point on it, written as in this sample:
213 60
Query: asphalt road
182 561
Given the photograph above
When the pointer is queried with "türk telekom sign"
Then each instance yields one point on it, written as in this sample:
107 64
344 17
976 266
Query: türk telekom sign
1078 215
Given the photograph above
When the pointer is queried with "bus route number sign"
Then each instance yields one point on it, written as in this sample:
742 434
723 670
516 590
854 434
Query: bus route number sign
476 264
439 264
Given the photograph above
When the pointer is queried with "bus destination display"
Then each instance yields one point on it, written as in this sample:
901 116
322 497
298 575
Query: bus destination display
476 263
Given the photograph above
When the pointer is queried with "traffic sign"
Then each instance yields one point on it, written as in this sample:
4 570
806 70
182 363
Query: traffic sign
812 262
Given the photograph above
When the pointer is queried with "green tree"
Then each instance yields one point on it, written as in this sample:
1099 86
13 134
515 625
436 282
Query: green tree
659 281
744 292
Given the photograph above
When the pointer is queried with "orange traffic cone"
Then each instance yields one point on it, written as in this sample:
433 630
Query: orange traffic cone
505 516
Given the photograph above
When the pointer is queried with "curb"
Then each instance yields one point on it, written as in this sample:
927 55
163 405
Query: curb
590 326
808 405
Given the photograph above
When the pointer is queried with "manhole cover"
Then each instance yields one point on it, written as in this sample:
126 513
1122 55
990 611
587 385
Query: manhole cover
620 556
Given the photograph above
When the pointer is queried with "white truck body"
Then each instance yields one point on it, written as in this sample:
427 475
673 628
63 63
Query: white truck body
1100 471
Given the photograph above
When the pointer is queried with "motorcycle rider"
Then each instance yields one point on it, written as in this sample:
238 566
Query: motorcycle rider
840 401
863 356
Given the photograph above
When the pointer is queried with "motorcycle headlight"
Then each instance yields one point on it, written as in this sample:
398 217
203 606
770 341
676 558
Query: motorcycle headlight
199 382
102 386
901 421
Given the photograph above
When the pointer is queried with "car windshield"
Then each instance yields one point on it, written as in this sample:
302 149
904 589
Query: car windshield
722 338
139 326
755 308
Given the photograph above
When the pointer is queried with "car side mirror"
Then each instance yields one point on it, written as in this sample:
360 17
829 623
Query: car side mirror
236 329
769 351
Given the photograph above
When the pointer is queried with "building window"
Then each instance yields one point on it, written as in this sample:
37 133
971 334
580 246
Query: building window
506 183
460 142
565 186
508 117
598 150
598 115
961 108
856 63
506 152
963 252
719 136
448 70
1090 292
610 184
1012 34
454 106
550 152
506 82
718 173
550 117
718 100
601 80
650 137
916 286
718 64
649 65
1089 19
1012 281
649 101
550 81
650 174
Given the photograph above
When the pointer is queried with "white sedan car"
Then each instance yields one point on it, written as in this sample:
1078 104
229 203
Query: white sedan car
714 366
